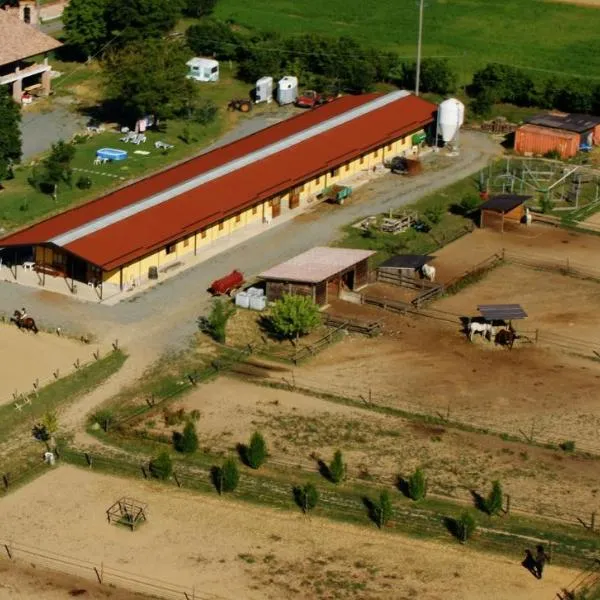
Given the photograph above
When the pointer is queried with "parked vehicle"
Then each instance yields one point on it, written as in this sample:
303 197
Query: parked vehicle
228 284
310 99
336 194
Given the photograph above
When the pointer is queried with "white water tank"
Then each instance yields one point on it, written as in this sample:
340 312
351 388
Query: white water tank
264 90
451 116
258 302
287 90
242 299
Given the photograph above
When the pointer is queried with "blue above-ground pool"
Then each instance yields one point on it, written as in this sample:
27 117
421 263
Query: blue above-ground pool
111 154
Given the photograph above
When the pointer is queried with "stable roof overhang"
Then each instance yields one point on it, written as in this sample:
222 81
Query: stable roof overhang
504 203
576 123
316 265
501 312
406 261
142 217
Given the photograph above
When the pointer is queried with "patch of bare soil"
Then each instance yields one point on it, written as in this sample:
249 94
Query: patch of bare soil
235 550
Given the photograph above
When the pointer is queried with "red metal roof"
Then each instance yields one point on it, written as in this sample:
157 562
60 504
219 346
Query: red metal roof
144 232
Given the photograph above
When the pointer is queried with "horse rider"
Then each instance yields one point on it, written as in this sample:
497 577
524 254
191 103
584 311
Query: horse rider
540 560
23 314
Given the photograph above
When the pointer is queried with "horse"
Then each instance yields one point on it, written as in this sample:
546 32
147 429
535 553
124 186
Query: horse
27 323
485 329
428 272
506 337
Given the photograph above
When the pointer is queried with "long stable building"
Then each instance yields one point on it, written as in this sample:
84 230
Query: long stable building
116 239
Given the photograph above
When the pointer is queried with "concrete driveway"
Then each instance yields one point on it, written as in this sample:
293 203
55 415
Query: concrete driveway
166 315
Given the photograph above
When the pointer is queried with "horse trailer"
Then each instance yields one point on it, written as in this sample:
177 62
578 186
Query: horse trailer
264 90
287 90
203 69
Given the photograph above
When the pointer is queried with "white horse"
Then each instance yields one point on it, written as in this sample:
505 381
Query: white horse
485 329
428 272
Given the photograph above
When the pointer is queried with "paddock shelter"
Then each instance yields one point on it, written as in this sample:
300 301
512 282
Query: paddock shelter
501 210
321 273
144 228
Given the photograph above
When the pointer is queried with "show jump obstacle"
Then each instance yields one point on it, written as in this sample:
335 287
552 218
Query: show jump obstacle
127 511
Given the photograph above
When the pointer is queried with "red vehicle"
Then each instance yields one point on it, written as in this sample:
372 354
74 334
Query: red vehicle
227 284
310 99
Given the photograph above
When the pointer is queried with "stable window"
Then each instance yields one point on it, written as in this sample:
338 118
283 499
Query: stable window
347 168
186 242
238 218
301 188
318 181
203 234
334 172
362 160
170 248
221 225
389 147
375 154
254 210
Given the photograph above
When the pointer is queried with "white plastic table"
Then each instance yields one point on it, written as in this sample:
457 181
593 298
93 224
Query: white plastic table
28 265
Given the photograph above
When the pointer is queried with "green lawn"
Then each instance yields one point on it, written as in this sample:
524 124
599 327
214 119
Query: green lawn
530 33
21 203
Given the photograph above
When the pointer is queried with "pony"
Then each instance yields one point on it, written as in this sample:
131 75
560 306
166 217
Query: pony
485 329
27 323
506 337
428 272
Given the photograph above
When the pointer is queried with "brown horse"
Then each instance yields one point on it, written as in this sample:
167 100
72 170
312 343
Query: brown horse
27 323
506 337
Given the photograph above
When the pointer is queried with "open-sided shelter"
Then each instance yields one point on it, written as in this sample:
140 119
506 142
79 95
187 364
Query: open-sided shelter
320 273
404 265
501 209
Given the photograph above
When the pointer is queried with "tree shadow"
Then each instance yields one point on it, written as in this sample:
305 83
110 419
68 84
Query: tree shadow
372 509
298 494
454 528
177 439
324 470
266 326
216 477
402 485
480 502
242 450
529 563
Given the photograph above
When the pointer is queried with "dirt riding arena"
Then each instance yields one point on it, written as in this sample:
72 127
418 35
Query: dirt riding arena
25 357
241 551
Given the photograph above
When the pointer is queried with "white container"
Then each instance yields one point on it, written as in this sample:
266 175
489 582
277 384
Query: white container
258 302
203 69
287 90
257 292
451 116
242 299
264 90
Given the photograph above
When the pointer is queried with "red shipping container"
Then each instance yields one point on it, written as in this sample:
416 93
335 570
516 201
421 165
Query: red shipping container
534 139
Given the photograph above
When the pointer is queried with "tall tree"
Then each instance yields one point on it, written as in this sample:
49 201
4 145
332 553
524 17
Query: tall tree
199 8
141 19
213 38
10 133
148 78
56 168
293 316
85 25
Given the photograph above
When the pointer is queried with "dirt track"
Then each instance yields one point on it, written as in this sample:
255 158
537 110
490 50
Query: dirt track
241 551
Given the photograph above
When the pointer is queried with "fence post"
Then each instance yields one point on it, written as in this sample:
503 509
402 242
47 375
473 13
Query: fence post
98 574
507 509
5 480
537 335
593 521
144 471
8 551
176 479
88 458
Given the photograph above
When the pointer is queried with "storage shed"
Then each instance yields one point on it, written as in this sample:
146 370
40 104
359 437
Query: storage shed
534 139
502 208
587 127
401 267
320 273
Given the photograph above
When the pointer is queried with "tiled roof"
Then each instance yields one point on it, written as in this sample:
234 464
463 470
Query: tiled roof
18 40
131 238
316 265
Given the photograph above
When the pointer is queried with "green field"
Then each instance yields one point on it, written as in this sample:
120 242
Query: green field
530 33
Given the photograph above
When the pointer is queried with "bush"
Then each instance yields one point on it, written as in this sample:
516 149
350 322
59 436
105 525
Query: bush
216 322
256 452
306 497
161 467
227 477
337 468
433 214
84 183
383 510
104 417
469 203
173 417
568 446
205 113
188 441
495 499
293 316
417 485
465 526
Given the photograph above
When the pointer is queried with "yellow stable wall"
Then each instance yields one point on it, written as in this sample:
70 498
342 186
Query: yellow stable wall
138 271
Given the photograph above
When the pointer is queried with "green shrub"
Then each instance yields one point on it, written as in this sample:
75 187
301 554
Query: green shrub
469 203
256 452
104 417
433 214
293 316
384 509
417 485
465 526
84 183
161 467
306 497
337 468
216 322
187 442
227 477
495 499
568 446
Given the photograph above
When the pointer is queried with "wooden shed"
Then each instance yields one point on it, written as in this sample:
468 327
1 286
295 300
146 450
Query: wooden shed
321 273
501 209
402 267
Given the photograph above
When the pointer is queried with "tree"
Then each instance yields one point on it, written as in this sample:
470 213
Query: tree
256 451
103 417
216 322
141 19
227 477
198 8
149 79
384 509
433 214
56 168
50 423
417 485
337 468
85 26
495 499
437 76
306 497
213 38
10 133
161 467
293 316
465 526
187 442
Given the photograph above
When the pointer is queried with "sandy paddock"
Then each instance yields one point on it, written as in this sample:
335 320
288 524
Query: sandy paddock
241 551
25 357
296 426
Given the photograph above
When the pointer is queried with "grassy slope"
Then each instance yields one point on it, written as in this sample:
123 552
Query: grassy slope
530 33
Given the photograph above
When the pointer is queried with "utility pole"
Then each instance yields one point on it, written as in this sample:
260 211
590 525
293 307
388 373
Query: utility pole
418 77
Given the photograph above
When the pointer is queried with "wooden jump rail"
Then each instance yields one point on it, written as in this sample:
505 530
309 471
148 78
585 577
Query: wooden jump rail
369 328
